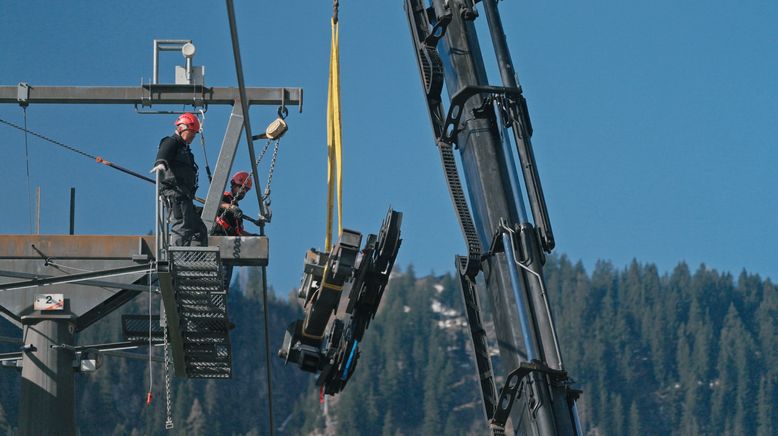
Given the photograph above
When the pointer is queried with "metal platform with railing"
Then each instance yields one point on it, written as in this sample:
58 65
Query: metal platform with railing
196 304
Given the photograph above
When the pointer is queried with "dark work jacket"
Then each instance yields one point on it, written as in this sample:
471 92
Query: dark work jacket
180 174
227 223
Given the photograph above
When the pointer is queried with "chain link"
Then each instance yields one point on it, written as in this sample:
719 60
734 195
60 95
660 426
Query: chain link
270 172
273 160
264 150
151 347
169 412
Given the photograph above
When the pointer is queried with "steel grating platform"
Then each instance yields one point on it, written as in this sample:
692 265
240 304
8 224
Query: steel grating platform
136 327
199 328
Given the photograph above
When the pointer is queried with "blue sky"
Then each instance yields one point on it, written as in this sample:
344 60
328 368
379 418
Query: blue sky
655 123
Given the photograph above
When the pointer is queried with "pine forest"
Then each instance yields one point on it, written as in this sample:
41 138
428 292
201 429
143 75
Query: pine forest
685 353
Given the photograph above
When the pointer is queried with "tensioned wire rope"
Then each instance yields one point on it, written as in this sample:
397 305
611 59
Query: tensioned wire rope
97 159
262 205
27 160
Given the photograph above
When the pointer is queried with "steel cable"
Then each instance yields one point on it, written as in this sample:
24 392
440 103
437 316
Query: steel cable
262 205
24 129
97 159
27 160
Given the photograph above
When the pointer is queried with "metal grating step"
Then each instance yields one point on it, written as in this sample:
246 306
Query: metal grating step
201 303
210 373
136 327
192 324
185 287
208 297
200 359
204 340
217 350
207 300
204 311
210 365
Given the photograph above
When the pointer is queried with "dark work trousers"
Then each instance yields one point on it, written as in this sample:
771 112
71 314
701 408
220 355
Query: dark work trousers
186 227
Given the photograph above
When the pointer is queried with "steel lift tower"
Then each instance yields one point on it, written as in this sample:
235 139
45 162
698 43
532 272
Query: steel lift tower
54 286
485 122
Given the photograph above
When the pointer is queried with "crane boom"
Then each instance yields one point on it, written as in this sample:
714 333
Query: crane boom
485 122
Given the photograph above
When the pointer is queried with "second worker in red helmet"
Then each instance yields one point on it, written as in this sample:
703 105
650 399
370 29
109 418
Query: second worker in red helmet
229 219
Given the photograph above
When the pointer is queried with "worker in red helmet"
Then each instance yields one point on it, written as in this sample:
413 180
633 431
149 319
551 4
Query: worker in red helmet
229 219
178 182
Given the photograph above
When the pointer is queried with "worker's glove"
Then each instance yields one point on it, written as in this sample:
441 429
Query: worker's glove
160 167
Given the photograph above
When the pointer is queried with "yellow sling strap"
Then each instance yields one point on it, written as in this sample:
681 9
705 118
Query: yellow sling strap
334 148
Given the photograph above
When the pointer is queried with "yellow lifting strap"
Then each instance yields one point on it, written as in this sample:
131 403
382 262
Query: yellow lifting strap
334 147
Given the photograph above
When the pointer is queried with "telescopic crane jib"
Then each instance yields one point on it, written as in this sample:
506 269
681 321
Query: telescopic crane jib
502 242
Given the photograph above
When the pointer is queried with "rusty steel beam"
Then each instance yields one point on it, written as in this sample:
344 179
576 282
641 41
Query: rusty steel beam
239 251
98 247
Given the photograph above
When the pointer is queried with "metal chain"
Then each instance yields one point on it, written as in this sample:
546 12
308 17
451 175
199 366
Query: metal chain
151 369
262 153
169 412
264 150
270 171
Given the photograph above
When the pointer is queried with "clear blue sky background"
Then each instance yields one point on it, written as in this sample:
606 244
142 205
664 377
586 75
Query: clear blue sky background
655 122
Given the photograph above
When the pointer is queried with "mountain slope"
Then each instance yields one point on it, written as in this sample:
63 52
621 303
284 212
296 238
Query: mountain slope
679 353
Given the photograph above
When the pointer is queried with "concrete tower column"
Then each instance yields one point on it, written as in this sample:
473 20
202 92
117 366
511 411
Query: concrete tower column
47 392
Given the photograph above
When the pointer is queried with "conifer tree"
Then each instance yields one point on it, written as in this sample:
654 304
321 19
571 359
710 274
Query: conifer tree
766 420
635 426
195 422
5 427
726 384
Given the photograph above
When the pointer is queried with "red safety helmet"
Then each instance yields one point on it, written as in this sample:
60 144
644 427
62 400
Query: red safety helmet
190 120
241 178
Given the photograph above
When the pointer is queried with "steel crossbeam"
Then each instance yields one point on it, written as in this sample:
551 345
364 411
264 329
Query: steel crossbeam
152 94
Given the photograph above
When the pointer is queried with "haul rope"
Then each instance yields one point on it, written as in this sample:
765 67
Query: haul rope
202 144
27 159
263 209
97 159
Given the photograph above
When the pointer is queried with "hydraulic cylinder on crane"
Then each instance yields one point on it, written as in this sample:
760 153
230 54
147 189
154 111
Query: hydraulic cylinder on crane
490 127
